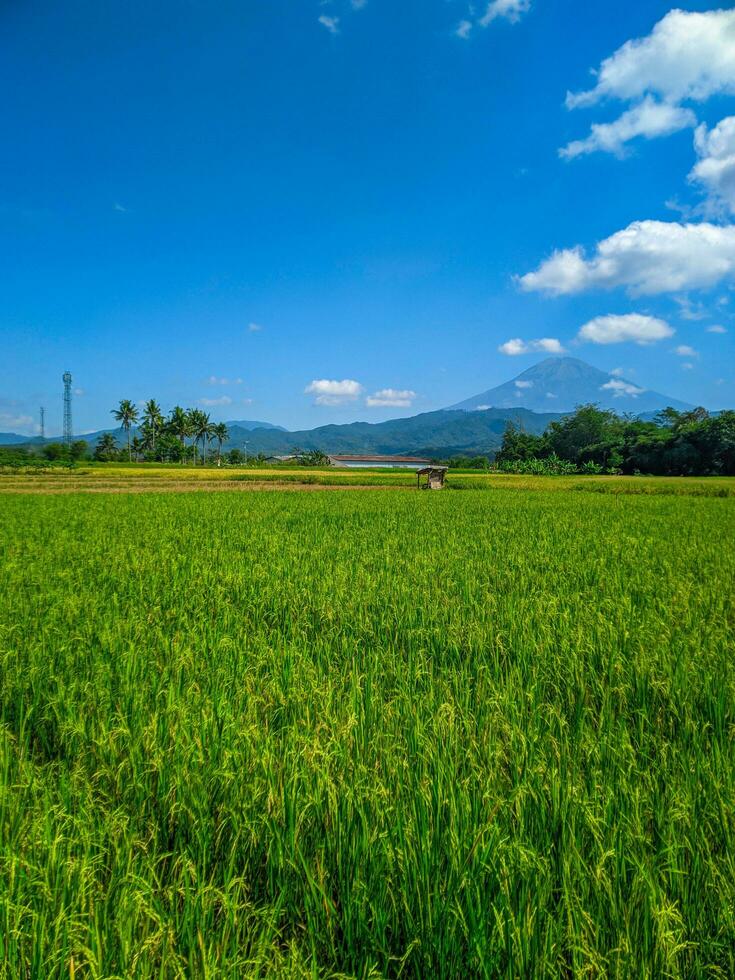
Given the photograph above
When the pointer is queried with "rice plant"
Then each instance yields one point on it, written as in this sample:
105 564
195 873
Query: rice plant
367 735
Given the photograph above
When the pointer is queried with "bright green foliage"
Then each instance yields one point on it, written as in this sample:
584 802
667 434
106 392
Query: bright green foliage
367 734
673 444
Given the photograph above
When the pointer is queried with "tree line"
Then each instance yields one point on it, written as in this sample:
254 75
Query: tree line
163 438
592 440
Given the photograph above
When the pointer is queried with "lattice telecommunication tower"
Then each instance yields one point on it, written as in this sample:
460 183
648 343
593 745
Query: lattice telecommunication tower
67 408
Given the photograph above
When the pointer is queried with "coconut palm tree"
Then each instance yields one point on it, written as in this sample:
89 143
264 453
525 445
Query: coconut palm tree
126 414
201 428
221 433
179 424
137 446
106 448
153 418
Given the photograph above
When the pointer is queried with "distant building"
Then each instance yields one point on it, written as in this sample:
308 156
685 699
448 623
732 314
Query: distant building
369 462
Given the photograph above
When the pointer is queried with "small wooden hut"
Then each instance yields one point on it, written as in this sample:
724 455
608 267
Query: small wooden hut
433 476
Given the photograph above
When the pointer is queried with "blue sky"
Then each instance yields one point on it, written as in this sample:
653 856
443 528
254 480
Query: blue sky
233 204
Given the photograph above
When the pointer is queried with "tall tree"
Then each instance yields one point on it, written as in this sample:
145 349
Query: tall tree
179 425
201 427
153 418
221 433
137 446
106 448
126 414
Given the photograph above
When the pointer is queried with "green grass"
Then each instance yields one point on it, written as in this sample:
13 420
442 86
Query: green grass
367 734
133 475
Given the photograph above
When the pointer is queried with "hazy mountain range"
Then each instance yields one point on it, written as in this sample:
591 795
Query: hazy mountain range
532 399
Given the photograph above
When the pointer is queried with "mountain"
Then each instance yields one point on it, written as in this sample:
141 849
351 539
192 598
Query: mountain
14 439
561 383
249 426
442 433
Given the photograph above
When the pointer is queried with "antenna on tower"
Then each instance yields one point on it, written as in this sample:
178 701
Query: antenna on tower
43 422
67 408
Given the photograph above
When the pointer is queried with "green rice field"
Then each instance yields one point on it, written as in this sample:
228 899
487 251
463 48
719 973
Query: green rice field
368 734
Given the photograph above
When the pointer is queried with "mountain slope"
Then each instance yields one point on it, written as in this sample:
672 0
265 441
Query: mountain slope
433 433
560 384
255 425
15 439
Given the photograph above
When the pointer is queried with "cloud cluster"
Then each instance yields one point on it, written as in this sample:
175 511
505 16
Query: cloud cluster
214 380
684 350
330 24
328 392
647 257
621 389
619 328
688 56
13 421
516 346
715 169
391 398
648 119
215 402
510 10
333 393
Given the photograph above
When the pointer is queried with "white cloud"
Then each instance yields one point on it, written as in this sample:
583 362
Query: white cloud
330 23
689 310
649 119
119 207
514 347
254 327
550 394
12 422
715 170
464 29
79 392
214 402
523 384
511 10
517 346
482 408
390 398
687 367
548 344
684 350
686 56
716 328
622 388
617 372
358 4
647 257
333 392
618 328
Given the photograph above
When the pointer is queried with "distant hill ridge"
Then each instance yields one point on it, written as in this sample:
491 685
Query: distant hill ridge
531 400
